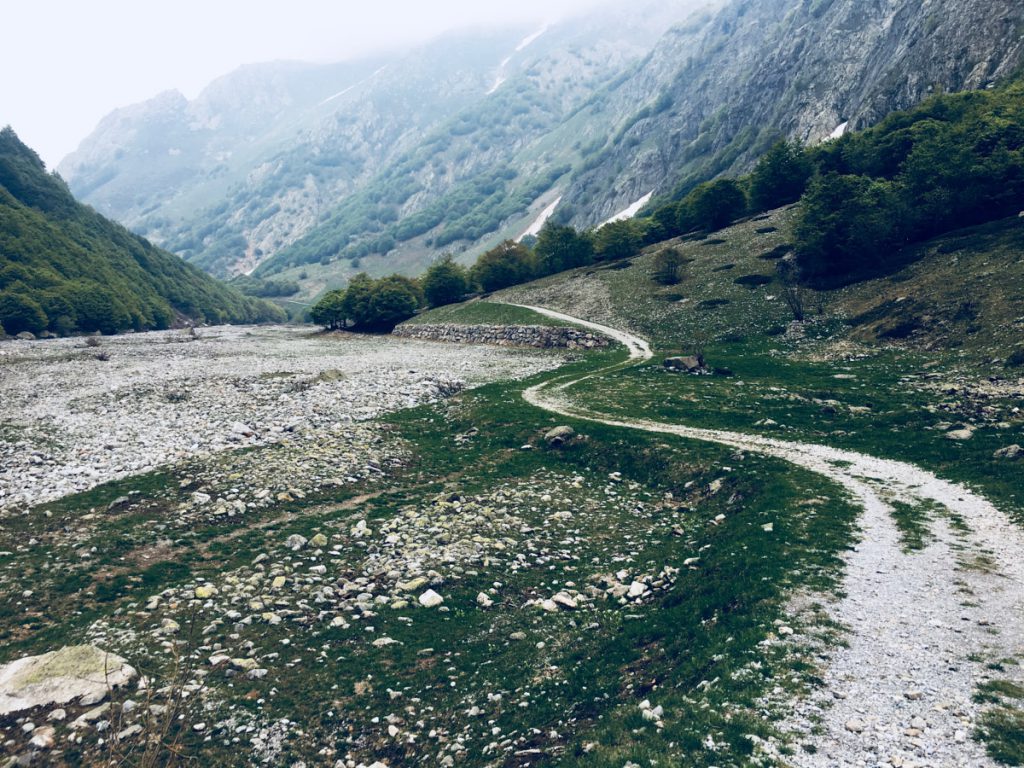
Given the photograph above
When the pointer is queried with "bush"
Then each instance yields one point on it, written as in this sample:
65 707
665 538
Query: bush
668 266
367 304
847 226
445 282
713 205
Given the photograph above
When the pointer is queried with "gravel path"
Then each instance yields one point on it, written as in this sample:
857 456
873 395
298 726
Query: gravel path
921 626
70 421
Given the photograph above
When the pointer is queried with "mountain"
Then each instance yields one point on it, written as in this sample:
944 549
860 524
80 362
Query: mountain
352 148
801 69
381 165
65 268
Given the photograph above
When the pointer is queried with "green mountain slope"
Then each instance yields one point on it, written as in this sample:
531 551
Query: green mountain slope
64 268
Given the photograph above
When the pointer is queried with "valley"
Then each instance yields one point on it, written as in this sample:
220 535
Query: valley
584 385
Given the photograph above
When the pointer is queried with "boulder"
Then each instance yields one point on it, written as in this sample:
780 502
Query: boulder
430 599
1011 452
60 677
26 336
559 436
689 363
960 434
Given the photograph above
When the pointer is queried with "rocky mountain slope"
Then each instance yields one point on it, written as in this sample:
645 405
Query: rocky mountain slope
65 268
270 153
381 165
803 69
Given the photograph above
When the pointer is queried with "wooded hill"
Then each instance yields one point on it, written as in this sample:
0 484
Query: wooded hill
65 268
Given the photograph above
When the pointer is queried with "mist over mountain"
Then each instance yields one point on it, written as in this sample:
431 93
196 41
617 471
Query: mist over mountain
316 172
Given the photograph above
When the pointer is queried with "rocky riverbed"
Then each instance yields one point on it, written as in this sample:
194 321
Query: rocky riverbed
76 415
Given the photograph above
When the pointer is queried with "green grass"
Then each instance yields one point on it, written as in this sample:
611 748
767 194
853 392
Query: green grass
912 522
1002 730
483 313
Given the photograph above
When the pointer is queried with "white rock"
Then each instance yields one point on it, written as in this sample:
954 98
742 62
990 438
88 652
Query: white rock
430 599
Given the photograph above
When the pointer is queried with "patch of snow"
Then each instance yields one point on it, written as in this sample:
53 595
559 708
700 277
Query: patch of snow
525 43
540 221
530 39
341 93
630 212
840 130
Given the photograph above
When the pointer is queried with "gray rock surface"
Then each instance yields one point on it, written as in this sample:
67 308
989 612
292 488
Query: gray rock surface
82 672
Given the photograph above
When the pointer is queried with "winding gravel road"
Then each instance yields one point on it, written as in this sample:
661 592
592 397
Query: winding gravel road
921 625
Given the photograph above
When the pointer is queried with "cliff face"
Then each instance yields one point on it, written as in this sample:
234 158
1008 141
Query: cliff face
316 172
762 69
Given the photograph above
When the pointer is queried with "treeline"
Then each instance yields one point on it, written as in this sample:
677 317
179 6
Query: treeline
65 269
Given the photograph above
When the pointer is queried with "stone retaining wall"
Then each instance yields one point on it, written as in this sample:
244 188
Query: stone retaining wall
539 336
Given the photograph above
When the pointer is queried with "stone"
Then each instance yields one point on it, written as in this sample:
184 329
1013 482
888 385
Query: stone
960 434
1011 452
636 589
205 591
563 600
25 336
295 542
484 601
60 677
319 540
855 726
44 737
689 363
559 436
430 599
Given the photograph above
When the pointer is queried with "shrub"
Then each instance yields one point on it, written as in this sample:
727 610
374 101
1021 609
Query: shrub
713 205
668 266
781 176
559 248
846 227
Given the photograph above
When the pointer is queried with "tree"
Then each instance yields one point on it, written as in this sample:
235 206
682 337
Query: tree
780 177
355 305
559 248
618 240
446 282
668 266
59 311
393 300
715 204
847 225
506 265
20 313
329 311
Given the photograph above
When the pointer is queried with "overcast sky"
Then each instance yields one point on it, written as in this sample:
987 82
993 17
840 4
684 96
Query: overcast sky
67 63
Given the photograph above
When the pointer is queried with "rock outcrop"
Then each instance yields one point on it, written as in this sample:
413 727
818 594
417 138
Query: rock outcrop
537 336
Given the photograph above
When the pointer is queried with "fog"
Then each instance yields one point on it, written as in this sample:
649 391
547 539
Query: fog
67 63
